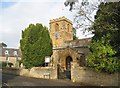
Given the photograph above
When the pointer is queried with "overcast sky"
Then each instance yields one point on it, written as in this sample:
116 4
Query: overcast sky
15 16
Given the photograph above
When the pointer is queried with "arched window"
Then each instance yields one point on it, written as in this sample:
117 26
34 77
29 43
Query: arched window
56 27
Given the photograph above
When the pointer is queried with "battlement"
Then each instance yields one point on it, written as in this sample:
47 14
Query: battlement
61 19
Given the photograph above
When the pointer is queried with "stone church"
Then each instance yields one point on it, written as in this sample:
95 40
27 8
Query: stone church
65 49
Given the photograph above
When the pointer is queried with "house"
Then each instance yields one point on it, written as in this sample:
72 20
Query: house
9 54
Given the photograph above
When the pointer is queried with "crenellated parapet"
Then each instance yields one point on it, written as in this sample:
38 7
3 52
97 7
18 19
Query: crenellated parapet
60 19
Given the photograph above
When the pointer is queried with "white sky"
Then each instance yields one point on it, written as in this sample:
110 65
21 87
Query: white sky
17 17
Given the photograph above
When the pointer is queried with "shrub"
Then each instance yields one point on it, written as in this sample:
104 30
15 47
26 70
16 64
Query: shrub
35 45
4 64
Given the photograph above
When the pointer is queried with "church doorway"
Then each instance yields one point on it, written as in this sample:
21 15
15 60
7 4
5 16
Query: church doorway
68 67
66 74
68 63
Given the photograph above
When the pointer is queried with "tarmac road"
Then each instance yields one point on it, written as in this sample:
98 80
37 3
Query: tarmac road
0 78
14 80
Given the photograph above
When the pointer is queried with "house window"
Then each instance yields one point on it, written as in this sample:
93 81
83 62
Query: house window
15 53
6 52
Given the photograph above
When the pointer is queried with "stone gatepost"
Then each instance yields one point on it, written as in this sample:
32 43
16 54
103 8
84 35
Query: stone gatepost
74 65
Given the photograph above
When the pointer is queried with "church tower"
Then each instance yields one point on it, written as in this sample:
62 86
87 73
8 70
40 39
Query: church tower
61 30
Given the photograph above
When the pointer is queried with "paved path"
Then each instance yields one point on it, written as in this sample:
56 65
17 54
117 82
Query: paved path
13 80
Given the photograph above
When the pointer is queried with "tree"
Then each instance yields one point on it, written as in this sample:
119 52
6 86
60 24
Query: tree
3 45
85 10
35 45
105 46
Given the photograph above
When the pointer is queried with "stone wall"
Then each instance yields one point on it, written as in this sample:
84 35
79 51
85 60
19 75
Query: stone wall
90 77
14 71
44 72
37 72
78 74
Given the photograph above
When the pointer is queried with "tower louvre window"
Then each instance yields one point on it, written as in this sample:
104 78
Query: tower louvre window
56 27
68 27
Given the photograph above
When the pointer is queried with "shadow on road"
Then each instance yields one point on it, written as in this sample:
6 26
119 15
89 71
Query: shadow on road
6 77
